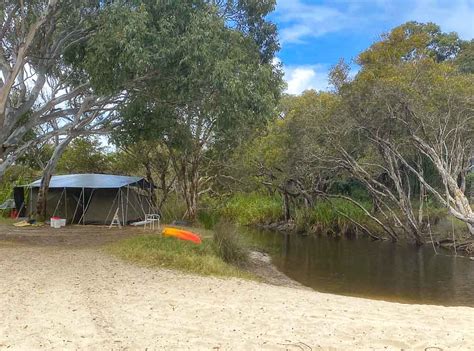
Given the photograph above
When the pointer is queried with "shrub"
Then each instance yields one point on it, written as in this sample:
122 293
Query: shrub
247 209
208 218
228 244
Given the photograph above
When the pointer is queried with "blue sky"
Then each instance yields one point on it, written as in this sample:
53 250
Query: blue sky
315 34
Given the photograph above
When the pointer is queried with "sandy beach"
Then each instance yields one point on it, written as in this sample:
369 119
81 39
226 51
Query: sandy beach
53 297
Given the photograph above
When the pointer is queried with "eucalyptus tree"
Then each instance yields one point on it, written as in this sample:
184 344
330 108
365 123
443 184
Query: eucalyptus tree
41 91
210 77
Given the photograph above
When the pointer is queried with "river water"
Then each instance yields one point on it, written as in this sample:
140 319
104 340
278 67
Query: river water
374 269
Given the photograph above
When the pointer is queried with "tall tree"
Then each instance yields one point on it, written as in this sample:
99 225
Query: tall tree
40 90
212 77
414 107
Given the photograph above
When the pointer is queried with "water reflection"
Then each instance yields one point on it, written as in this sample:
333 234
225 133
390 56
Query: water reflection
360 267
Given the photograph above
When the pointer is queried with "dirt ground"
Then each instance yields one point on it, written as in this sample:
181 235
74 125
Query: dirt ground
75 236
59 290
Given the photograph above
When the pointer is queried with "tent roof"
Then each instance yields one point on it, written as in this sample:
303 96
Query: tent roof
91 181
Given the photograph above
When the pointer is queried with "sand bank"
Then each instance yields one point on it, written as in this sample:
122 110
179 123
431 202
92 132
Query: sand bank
81 298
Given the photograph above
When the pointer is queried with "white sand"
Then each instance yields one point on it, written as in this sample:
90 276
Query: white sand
54 298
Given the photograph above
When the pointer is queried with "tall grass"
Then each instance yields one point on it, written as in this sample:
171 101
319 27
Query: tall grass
247 209
208 218
330 217
228 244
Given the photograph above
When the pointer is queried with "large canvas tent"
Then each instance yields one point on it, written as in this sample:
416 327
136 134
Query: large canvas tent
89 198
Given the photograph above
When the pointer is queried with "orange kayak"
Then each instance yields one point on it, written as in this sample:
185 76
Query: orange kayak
182 234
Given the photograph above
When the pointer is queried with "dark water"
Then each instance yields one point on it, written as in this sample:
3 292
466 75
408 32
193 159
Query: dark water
379 270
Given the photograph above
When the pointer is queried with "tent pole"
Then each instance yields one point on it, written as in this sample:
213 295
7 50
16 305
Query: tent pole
87 206
77 207
83 202
111 207
126 208
83 209
134 208
141 205
65 203
121 201
31 201
59 202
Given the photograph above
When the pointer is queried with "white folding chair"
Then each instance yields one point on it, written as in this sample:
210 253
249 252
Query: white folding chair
151 219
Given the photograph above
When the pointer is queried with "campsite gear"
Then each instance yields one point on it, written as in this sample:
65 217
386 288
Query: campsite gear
182 234
90 198
22 224
115 220
28 223
57 222
181 222
151 219
13 214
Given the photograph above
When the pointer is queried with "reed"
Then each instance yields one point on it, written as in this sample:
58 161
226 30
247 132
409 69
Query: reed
248 209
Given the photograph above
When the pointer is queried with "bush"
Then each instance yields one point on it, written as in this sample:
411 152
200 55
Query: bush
228 244
208 218
247 209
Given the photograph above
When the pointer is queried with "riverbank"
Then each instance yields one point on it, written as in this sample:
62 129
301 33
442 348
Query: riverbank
341 218
69 298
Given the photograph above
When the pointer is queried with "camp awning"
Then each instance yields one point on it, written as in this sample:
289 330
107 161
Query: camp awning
92 181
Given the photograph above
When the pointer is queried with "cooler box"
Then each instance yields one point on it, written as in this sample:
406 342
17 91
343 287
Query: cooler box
57 222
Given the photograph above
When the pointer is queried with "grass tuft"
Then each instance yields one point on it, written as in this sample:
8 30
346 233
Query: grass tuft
228 244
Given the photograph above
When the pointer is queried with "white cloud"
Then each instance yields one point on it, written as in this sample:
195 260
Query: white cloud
452 16
301 78
305 77
299 20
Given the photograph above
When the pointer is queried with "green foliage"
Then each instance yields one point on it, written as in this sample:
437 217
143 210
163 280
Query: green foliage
84 155
156 251
229 245
329 217
412 41
200 82
14 176
254 208
195 67
465 59
208 219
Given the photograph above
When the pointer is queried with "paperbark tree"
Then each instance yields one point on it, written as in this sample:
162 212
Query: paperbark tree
411 102
39 87
440 122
